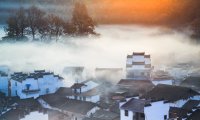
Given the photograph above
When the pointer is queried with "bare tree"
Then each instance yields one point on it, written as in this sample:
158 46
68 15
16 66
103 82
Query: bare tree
21 20
56 26
35 16
82 21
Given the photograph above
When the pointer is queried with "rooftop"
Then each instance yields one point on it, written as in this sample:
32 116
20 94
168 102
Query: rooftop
175 112
105 115
193 82
3 74
138 53
191 104
135 105
135 83
169 93
77 85
20 76
75 106
64 91
195 115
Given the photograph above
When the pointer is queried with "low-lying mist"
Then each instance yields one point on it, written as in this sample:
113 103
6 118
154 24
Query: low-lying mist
108 50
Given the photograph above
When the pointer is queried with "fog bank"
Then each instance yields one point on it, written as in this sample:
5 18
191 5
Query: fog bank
108 50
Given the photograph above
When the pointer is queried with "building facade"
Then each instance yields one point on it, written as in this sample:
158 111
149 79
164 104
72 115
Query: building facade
4 83
85 91
156 104
138 66
34 84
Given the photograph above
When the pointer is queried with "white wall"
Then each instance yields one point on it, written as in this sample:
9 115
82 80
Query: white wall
123 117
147 61
156 111
129 61
167 82
48 84
138 58
14 87
4 84
89 85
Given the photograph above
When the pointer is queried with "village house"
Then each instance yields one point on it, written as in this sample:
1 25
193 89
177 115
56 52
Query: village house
129 87
138 66
85 91
156 104
186 112
4 83
19 109
28 85
103 115
74 109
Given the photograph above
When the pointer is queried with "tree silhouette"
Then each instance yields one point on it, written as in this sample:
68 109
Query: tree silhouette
81 20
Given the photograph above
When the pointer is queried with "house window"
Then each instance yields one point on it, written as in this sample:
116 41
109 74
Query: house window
165 117
15 83
142 115
126 112
47 90
28 86
84 98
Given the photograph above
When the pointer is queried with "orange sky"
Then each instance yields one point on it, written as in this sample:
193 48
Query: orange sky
138 10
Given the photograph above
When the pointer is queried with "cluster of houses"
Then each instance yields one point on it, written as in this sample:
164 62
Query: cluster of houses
142 93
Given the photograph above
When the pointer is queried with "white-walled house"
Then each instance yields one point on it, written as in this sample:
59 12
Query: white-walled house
4 83
155 104
85 91
74 109
138 66
34 84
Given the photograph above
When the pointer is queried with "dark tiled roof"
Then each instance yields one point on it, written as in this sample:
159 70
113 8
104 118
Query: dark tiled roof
169 93
138 63
147 56
22 109
39 71
135 105
138 53
91 118
19 76
77 85
75 106
195 115
191 104
30 103
132 82
3 74
64 91
175 112
129 56
92 92
191 82
105 115
12 115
